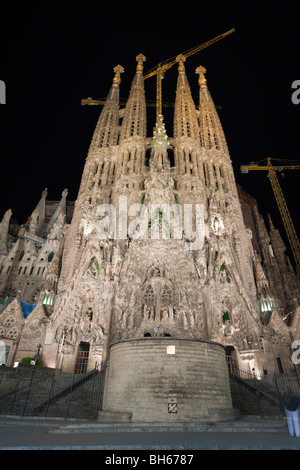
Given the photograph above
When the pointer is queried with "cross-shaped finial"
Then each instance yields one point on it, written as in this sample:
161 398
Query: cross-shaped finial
118 69
201 71
140 59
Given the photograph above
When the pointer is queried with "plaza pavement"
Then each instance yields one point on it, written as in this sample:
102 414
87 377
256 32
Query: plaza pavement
22 433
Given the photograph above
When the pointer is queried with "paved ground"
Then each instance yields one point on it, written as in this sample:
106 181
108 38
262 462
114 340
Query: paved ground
31 434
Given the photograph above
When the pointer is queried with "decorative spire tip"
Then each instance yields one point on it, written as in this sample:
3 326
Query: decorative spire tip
118 69
140 59
201 71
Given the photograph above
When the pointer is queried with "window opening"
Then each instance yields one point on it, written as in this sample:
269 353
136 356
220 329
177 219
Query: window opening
82 358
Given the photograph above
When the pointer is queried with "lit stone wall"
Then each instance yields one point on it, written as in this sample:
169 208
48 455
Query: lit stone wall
168 380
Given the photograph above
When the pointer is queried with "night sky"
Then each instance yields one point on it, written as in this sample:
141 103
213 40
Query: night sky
51 58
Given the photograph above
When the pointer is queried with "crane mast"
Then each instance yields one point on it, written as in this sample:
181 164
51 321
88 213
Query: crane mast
281 202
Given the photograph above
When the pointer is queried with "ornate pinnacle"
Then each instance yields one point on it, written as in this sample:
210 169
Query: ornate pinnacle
140 59
160 139
118 69
201 71
181 59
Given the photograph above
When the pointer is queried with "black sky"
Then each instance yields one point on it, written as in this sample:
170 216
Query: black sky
51 58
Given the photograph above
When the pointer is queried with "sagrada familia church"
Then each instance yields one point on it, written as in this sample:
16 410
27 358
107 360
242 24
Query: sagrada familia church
161 258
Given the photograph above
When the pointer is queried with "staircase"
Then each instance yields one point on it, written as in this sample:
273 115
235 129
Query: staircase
261 396
42 392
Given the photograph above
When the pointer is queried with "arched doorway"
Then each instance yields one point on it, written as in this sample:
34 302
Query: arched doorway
82 358
231 359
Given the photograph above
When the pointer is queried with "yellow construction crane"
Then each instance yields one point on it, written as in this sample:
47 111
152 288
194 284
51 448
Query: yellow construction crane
160 69
151 104
280 165
92 102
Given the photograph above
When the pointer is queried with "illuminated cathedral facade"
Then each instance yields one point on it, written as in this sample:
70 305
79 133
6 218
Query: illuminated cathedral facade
159 243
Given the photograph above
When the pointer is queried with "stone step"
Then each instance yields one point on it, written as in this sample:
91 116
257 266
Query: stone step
61 426
249 425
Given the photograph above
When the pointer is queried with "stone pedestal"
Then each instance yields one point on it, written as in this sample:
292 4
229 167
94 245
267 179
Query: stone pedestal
168 380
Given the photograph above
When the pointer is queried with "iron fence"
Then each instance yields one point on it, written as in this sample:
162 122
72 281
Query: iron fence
262 395
35 393
44 393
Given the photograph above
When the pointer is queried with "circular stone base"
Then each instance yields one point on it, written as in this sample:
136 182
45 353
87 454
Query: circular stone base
168 380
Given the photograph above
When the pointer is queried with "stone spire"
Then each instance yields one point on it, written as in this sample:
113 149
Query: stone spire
277 247
96 179
37 218
131 154
134 120
211 131
4 226
106 132
62 206
185 118
98 166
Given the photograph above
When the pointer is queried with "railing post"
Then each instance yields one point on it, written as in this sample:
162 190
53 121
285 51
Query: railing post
49 395
70 396
278 393
257 392
296 372
14 397
92 392
29 388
